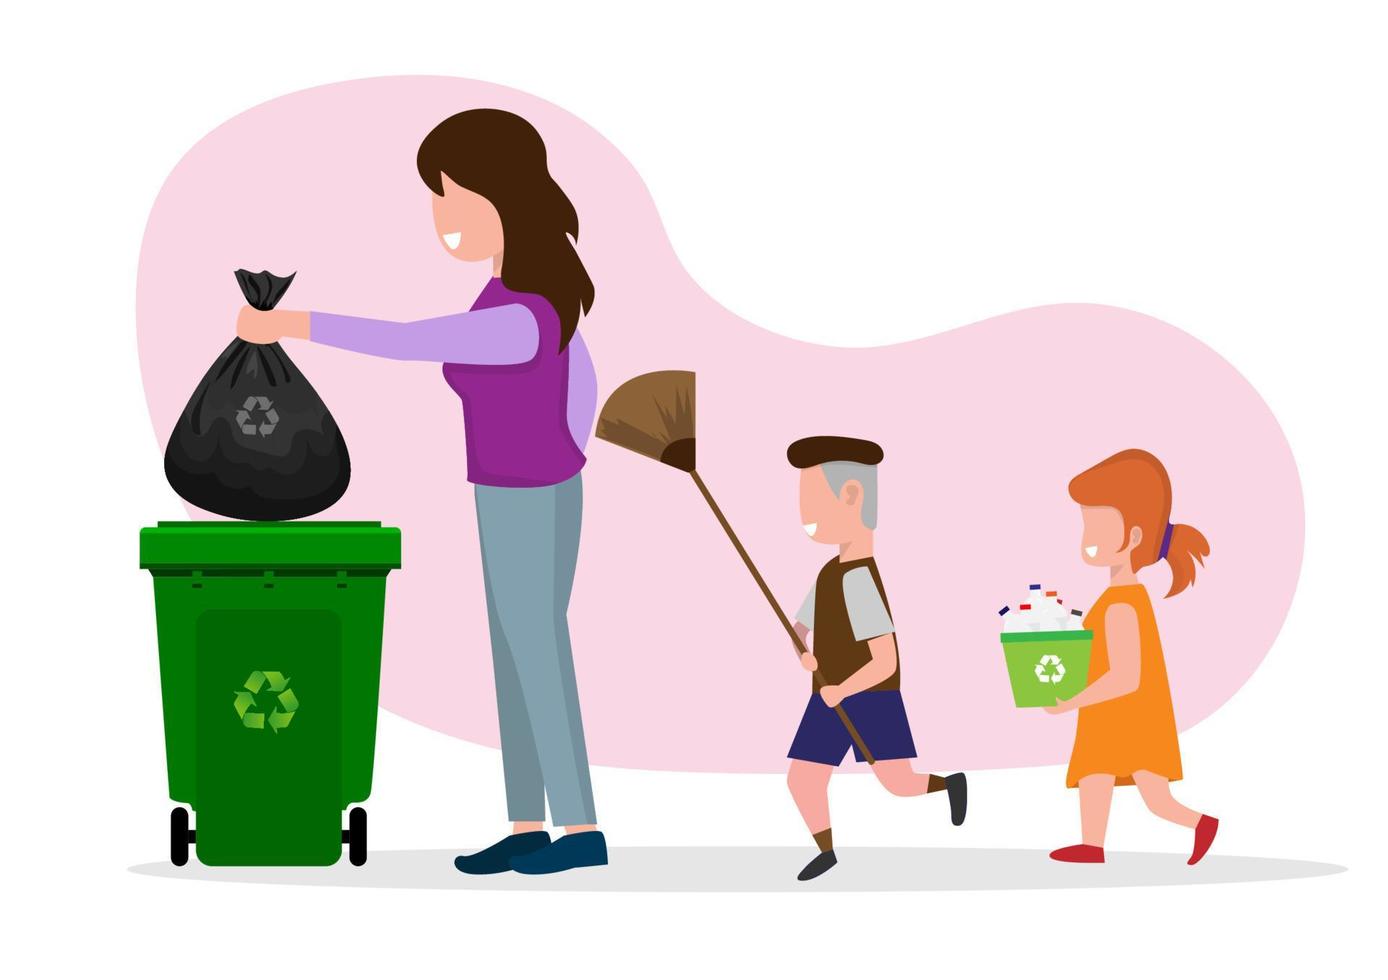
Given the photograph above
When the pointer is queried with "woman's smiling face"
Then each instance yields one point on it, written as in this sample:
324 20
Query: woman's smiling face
467 224
1102 542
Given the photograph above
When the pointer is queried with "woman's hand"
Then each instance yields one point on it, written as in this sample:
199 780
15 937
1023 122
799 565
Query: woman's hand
1059 708
831 695
808 661
268 326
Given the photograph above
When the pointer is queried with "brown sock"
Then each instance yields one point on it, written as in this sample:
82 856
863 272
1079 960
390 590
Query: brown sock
825 839
936 784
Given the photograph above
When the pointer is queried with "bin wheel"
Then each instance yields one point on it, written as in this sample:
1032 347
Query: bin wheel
179 836
356 836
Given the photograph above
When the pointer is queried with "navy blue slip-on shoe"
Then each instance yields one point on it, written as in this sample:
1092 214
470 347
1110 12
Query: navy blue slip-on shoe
497 858
584 850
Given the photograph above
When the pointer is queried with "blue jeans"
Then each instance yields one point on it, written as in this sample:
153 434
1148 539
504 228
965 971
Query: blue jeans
529 539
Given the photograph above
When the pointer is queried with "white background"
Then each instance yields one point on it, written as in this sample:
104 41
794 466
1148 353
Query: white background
849 173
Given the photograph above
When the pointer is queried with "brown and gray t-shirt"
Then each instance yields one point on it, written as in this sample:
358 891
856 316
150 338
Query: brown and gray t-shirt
846 608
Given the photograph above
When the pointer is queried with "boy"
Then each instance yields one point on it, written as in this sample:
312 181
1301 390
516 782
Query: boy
854 646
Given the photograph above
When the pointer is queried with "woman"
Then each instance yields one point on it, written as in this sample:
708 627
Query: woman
510 359
1126 732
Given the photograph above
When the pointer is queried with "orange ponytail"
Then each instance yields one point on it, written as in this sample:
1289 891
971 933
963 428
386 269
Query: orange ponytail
1188 548
1135 483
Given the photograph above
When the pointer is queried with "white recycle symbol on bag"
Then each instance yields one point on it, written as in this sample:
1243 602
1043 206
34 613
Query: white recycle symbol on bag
243 417
1053 676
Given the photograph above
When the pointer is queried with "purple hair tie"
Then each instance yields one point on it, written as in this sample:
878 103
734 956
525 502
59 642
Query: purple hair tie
1165 543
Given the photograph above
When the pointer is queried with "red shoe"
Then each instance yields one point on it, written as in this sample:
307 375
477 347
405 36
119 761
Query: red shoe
1205 832
1079 854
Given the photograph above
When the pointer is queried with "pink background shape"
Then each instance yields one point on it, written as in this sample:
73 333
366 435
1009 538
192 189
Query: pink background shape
681 665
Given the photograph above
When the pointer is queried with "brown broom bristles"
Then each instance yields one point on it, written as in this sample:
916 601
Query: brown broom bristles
653 415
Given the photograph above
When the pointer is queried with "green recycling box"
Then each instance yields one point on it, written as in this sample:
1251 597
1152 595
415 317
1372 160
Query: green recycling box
1044 666
270 668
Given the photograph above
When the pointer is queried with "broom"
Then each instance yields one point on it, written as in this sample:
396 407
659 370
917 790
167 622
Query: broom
653 415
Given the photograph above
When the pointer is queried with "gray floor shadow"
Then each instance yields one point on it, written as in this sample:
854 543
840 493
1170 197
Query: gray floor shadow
773 869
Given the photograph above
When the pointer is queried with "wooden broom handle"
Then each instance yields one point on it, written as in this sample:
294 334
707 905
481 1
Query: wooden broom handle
780 613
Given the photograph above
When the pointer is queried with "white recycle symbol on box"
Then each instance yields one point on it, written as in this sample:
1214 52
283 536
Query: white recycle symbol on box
1052 676
263 404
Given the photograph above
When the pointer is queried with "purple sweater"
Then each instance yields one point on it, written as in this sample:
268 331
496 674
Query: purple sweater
523 418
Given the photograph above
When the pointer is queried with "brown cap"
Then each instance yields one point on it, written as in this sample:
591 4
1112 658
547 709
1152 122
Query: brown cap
804 453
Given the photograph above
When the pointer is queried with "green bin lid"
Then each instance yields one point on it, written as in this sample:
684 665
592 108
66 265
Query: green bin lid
269 544
1047 636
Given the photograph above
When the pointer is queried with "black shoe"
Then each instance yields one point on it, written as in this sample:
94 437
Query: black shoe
822 862
497 858
958 788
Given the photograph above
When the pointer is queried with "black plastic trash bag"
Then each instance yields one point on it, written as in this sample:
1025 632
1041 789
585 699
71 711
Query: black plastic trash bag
256 442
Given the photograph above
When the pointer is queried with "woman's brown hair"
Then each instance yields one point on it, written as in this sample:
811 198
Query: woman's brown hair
500 156
1134 482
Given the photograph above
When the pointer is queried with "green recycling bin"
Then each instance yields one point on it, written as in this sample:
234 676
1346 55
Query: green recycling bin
1046 665
270 669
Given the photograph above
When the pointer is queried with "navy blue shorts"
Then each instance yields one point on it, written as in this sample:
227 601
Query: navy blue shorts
879 716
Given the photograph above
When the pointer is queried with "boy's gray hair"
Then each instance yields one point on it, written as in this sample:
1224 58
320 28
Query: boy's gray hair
838 473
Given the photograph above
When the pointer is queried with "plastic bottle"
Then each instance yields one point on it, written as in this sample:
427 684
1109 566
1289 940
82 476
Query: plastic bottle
1074 621
1034 608
1028 620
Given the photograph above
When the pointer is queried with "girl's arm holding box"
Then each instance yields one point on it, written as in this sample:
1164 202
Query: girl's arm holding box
1124 662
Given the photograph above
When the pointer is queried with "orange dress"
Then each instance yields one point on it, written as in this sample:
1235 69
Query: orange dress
1137 731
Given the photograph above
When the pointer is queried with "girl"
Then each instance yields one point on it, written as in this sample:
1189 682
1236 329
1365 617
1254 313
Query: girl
514 359
1126 732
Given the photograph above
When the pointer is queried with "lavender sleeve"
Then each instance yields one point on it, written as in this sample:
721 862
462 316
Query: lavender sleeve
495 335
583 392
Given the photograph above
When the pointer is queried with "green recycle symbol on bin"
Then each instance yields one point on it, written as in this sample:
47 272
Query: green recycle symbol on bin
1054 674
249 706
263 405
